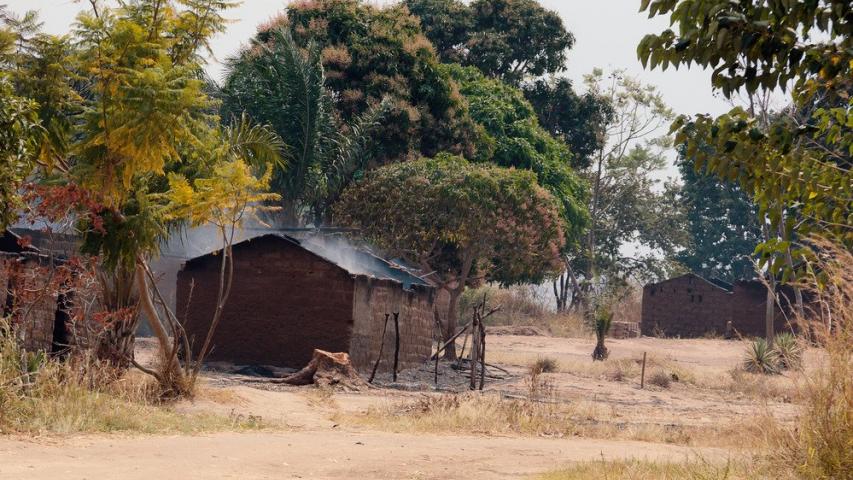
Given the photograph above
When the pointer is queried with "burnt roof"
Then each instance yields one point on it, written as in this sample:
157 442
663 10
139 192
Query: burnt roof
354 260
713 281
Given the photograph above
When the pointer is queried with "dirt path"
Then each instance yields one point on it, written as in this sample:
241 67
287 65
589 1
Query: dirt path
329 454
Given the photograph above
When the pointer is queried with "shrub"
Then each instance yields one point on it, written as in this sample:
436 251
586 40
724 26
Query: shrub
545 365
789 351
660 378
760 358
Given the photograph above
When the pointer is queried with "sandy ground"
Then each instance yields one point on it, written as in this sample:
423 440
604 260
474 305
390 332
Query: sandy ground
308 444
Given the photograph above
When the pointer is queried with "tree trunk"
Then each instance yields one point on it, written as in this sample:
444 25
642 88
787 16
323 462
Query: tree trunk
769 316
327 369
452 324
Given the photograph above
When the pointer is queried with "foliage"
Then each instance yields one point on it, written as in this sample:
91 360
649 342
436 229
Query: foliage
626 203
789 350
513 138
370 53
463 222
819 446
19 129
506 39
797 165
577 120
602 317
761 358
722 225
445 212
280 84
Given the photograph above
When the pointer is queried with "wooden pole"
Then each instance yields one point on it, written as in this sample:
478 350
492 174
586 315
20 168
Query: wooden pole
643 373
396 345
482 355
381 345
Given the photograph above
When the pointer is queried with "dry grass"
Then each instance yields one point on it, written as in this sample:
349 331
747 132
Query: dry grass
491 414
660 379
690 469
40 396
522 305
821 445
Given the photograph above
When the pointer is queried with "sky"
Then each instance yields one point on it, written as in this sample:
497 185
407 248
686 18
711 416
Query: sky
606 34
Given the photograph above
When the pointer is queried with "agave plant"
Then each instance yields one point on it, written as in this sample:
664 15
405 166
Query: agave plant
761 358
789 351
603 318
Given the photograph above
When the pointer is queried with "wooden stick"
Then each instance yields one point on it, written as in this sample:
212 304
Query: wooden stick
381 345
643 373
452 339
482 356
396 345
462 353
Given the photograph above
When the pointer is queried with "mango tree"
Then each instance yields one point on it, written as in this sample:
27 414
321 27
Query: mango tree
460 222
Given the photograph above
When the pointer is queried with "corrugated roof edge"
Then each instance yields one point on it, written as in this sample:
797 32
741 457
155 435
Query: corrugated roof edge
412 278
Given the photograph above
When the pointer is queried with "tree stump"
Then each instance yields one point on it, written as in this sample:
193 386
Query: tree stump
327 369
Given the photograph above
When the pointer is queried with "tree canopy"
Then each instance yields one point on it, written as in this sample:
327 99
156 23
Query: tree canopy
464 222
721 225
370 53
508 39
795 164
512 137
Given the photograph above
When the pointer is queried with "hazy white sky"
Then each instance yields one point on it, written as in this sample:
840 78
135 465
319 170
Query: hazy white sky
607 33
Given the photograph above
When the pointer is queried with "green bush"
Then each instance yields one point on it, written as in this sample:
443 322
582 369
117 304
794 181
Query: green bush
761 358
789 351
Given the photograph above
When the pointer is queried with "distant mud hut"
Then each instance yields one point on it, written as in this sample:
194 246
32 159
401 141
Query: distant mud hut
291 296
692 306
29 296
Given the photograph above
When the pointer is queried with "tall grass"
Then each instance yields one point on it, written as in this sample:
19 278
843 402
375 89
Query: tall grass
690 469
39 395
821 446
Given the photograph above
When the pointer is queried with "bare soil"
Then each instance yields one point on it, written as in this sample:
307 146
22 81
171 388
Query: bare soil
304 440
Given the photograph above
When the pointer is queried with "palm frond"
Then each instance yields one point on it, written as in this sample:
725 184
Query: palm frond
257 144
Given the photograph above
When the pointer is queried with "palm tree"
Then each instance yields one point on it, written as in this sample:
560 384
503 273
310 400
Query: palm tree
280 84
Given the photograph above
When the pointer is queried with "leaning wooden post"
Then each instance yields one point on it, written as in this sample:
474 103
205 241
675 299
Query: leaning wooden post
381 345
475 348
643 373
396 344
482 355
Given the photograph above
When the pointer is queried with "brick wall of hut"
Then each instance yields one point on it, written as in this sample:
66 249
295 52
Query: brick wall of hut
690 306
285 302
28 299
686 306
371 301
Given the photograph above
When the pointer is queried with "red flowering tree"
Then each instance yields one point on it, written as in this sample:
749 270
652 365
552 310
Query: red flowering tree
462 222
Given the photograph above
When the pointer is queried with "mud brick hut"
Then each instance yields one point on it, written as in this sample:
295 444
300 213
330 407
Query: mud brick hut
291 296
692 306
27 296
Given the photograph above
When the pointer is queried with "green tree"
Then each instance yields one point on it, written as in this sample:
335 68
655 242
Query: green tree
370 53
143 118
508 39
796 165
577 120
19 130
722 226
511 137
281 85
799 161
626 204
464 222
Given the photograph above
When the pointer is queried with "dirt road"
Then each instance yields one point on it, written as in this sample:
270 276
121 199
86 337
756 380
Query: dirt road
329 454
